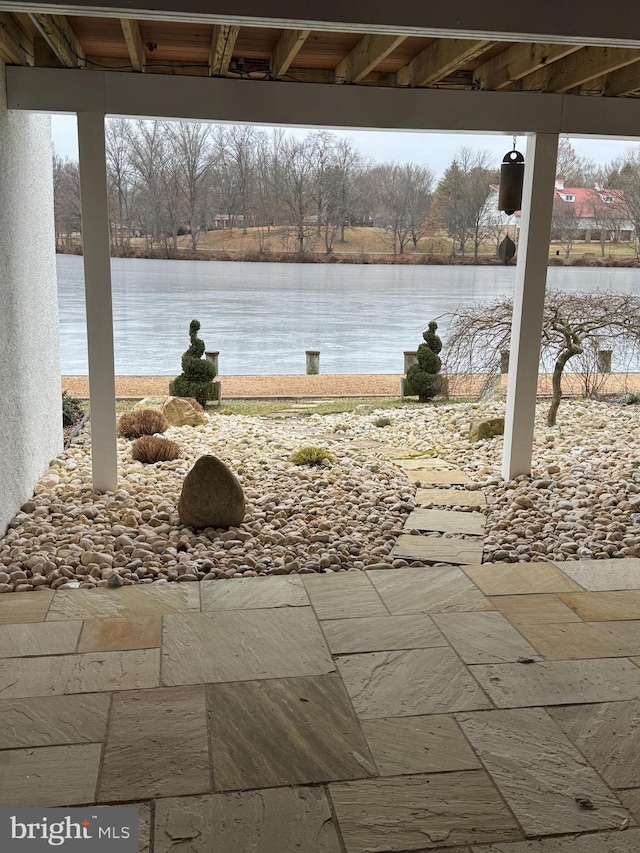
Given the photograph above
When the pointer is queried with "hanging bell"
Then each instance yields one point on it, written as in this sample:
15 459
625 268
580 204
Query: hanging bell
511 182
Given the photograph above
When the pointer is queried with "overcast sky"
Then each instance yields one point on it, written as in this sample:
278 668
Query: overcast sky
429 149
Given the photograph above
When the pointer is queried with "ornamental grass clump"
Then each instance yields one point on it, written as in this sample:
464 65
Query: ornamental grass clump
312 456
71 409
149 449
423 378
196 379
142 422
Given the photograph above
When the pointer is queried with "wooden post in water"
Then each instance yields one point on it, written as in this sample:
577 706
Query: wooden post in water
313 362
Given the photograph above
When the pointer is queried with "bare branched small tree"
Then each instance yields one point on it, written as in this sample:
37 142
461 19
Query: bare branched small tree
573 322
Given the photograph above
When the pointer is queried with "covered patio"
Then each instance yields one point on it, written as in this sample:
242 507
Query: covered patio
491 709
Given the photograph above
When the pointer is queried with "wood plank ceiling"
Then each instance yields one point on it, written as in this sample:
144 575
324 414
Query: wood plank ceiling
317 57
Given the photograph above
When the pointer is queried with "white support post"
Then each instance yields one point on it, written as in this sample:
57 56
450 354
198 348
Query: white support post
528 303
97 286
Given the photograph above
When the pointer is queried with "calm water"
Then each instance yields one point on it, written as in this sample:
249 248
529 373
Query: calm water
262 317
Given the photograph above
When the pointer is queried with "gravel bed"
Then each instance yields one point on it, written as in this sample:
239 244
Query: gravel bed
582 501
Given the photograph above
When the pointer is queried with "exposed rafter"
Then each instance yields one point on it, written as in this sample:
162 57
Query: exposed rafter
439 59
222 44
131 31
57 32
364 57
622 82
286 50
580 67
518 61
16 47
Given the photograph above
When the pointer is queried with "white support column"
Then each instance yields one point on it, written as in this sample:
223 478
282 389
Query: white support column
528 303
97 285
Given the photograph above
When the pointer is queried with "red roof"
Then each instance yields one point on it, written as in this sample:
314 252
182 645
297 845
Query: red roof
584 199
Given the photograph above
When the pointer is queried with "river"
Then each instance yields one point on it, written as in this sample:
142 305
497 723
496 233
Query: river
262 317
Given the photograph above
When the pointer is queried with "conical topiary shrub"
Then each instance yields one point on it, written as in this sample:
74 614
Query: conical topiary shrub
196 379
423 378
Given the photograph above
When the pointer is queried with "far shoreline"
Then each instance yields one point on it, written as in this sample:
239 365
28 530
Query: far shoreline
357 258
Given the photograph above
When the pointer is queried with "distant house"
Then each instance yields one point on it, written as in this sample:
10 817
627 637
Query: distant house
589 214
592 213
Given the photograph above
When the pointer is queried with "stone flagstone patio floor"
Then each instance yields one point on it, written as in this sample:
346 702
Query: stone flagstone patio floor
455 707
475 709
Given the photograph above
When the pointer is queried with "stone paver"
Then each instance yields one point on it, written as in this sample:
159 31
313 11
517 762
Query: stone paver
605 842
431 476
483 637
126 602
429 590
381 633
285 732
580 640
270 821
604 606
53 721
38 638
542 608
341 595
630 799
112 635
404 684
516 685
437 549
434 463
415 812
446 521
239 645
510 579
88 673
608 735
540 773
151 734
247 593
432 744
449 497
22 607
49 776
599 575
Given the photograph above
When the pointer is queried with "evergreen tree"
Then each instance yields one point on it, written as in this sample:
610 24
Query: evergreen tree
196 379
423 378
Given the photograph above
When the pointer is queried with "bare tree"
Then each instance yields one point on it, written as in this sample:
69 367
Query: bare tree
66 201
188 166
462 197
565 224
122 177
572 321
297 180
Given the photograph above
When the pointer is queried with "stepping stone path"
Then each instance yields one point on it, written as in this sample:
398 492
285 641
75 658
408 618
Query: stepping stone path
296 409
440 480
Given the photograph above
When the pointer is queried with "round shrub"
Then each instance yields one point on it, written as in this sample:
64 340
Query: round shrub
383 421
312 456
142 422
150 448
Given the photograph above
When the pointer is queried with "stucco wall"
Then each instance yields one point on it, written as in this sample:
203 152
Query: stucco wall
30 412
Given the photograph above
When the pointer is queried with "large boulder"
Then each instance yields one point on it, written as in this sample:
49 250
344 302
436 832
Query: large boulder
486 429
180 412
211 496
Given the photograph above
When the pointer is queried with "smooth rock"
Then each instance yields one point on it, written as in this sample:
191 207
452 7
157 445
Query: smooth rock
211 496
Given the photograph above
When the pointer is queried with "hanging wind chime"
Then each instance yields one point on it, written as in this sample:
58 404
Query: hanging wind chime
510 195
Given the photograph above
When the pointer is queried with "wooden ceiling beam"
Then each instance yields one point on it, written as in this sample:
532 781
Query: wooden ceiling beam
518 61
222 44
131 32
369 52
578 68
285 51
59 35
624 81
439 59
16 46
